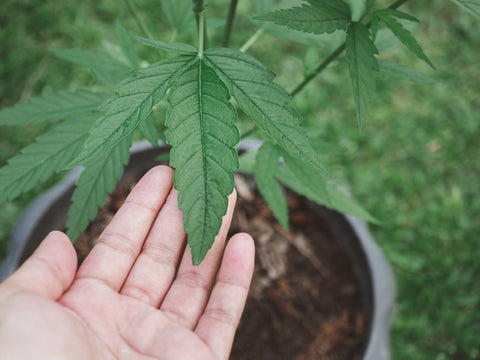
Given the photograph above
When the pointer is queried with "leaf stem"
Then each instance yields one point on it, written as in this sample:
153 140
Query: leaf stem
229 25
252 39
332 57
201 32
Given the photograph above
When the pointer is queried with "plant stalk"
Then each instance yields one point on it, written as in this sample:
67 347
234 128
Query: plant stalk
252 39
332 57
199 11
229 25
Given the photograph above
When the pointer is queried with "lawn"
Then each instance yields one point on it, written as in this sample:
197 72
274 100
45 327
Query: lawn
414 165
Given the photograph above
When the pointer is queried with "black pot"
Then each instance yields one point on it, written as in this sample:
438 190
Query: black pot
49 212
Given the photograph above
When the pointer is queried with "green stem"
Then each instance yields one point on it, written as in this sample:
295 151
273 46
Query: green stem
201 32
229 25
252 39
332 57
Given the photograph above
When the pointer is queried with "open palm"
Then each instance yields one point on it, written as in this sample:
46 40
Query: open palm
136 296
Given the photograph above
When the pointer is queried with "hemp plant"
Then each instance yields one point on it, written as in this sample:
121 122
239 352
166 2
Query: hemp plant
204 89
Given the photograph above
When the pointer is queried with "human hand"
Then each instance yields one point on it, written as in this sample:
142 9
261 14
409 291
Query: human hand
137 294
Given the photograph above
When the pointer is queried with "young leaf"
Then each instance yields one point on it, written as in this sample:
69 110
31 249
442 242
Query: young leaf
250 83
361 65
265 168
96 181
108 70
173 47
126 44
132 103
38 161
470 6
357 8
320 16
202 133
52 107
392 69
403 35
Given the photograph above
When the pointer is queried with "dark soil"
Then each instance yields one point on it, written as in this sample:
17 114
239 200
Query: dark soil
305 301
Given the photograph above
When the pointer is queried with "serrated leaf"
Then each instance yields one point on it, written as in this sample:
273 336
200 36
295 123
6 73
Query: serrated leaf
40 160
361 65
264 170
404 36
392 69
470 6
52 107
108 70
343 202
95 182
398 14
250 83
303 179
320 16
126 45
173 47
132 103
357 8
202 133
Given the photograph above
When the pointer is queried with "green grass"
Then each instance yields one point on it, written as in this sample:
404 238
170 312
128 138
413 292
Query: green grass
415 165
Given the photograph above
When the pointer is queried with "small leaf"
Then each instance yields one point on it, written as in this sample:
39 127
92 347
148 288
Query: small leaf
303 179
108 70
361 65
126 44
357 8
149 130
52 107
266 164
172 47
404 36
398 14
470 6
202 132
132 103
392 69
344 203
40 160
95 182
320 16
250 83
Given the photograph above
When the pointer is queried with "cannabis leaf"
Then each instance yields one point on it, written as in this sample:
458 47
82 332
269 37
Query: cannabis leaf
108 70
251 84
132 104
202 133
179 48
126 45
320 16
49 154
264 170
392 69
470 6
361 65
52 107
387 17
95 182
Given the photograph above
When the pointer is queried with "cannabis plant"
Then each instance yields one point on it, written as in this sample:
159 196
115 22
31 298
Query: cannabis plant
204 89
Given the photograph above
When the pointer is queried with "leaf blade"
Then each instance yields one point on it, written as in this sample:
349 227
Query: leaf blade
95 182
361 65
51 107
179 48
325 16
40 160
470 6
250 83
132 103
201 130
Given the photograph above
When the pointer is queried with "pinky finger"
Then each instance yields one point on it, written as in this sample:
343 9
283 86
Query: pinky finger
218 323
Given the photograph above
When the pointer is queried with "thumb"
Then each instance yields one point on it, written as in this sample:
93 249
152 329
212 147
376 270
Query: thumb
50 270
